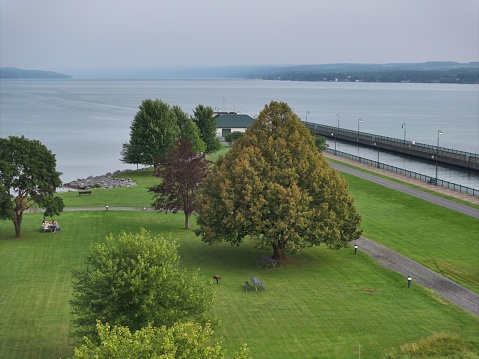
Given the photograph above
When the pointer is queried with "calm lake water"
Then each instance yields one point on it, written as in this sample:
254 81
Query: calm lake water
85 123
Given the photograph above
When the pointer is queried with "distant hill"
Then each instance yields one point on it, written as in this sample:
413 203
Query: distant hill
14 73
428 72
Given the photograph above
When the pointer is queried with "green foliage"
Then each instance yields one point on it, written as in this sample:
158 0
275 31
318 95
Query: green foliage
230 137
181 341
189 129
182 172
203 117
135 281
275 186
53 206
28 176
437 346
320 141
153 131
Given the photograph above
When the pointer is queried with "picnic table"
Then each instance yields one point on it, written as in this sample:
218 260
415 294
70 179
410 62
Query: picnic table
269 263
257 283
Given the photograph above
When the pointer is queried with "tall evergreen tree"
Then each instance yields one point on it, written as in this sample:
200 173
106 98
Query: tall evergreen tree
275 186
204 119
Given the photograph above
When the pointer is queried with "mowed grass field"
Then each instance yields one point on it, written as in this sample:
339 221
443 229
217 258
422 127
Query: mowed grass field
322 304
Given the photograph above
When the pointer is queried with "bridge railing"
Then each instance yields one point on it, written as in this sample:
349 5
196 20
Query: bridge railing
365 137
411 174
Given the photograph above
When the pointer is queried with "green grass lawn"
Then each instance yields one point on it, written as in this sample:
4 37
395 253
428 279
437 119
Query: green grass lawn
322 304
438 238
135 196
441 239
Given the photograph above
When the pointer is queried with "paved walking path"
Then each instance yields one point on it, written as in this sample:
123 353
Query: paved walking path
426 277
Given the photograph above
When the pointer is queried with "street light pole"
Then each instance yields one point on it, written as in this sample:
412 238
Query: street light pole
378 155
359 121
377 147
404 126
334 143
439 132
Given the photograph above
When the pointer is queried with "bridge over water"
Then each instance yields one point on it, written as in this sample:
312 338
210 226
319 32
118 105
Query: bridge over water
447 156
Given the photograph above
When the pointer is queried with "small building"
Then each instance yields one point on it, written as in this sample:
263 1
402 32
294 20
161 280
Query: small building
228 122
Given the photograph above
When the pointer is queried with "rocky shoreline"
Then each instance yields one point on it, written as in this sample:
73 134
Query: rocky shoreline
104 181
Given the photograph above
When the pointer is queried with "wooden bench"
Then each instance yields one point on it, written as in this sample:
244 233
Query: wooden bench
84 192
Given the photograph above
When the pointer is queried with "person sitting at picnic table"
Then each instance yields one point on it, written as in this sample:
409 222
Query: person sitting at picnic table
45 225
54 226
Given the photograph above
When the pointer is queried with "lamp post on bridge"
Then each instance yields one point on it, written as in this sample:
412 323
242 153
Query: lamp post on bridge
439 132
377 147
334 143
404 126
359 121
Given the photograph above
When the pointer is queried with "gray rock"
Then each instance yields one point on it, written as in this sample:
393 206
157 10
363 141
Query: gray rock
105 181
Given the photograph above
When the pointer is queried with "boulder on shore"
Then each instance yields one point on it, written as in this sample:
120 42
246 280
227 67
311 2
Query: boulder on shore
105 181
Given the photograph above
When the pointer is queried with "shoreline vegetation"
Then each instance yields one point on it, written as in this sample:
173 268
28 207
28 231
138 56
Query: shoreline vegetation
427 72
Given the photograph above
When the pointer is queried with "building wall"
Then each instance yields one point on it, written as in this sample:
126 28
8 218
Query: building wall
219 131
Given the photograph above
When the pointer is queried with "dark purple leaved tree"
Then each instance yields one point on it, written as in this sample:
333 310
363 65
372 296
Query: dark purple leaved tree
182 172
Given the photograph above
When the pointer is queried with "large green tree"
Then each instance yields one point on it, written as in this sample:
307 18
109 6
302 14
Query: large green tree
275 186
136 281
181 341
28 178
204 119
153 131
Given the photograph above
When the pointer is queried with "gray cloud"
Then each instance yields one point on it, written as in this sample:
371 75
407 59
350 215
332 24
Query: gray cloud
65 34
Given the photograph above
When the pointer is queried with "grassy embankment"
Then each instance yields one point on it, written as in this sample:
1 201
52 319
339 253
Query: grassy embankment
322 304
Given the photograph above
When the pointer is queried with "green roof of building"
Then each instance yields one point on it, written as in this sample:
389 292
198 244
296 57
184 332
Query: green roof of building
233 121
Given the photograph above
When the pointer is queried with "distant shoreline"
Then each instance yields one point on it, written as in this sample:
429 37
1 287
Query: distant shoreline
13 73
447 72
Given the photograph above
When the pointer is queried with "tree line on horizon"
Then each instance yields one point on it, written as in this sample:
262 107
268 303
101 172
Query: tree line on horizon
457 76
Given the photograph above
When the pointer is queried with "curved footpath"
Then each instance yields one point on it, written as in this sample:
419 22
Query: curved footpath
426 277
444 202
443 286
420 274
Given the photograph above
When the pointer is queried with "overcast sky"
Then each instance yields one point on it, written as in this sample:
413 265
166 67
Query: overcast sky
68 34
